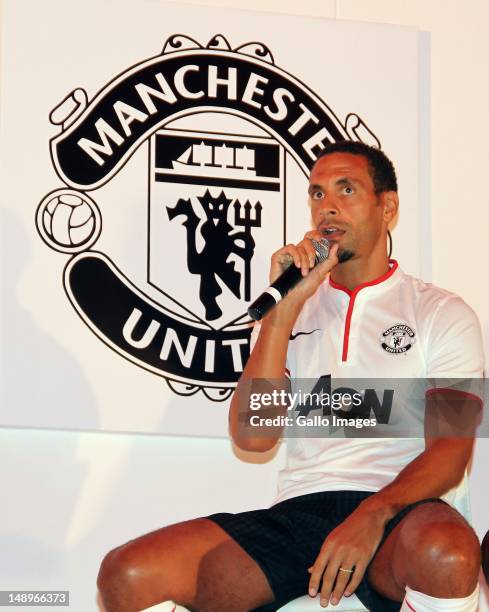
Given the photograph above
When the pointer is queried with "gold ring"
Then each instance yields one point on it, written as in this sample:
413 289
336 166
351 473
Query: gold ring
342 569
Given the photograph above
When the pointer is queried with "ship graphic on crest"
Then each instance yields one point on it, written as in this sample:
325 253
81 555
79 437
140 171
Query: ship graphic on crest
233 159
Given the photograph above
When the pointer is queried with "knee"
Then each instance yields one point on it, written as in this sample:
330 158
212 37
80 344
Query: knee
485 556
118 579
454 546
447 555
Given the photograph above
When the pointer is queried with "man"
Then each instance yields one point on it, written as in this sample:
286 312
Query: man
352 515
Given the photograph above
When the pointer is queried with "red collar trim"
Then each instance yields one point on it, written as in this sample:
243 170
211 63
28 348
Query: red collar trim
376 281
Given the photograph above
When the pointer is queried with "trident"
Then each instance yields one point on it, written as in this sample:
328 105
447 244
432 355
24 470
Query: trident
247 222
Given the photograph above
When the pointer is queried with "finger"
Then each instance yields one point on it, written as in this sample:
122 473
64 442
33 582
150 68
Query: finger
325 267
342 580
317 571
286 255
314 235
305 260
329 578
332 257
307 245
333 252
355 579
291 251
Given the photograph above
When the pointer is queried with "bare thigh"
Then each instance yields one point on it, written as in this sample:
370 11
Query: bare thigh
193 563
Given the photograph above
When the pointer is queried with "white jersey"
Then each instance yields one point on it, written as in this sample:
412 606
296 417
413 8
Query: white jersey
394 327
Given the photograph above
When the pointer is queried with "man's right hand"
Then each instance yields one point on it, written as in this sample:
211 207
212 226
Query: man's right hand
267 360
303 256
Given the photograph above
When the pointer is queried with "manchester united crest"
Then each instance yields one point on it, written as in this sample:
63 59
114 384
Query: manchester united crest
398 339
161 265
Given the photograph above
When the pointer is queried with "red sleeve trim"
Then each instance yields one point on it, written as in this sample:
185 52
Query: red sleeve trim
466 394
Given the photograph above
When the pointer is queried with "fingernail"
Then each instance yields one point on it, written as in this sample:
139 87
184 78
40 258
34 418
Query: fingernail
312 592
334 601
324 602
347 593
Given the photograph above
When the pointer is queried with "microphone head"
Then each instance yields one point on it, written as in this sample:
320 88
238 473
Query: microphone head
322 249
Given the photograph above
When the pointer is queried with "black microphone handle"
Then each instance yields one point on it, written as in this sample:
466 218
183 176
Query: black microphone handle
285 282
277 290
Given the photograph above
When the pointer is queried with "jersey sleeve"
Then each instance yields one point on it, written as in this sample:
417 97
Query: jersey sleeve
254 338
455 355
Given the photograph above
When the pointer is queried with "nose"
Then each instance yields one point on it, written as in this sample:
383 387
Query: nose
328 207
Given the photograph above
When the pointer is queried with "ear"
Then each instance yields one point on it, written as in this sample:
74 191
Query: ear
390 202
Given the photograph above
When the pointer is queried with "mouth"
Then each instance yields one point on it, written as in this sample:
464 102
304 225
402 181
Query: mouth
331 232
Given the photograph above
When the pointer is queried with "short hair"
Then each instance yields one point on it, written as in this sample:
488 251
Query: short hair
380 167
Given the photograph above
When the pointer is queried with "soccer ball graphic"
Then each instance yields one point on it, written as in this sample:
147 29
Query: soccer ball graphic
68 221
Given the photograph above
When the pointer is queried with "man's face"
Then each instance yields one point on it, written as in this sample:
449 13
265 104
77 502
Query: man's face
344 204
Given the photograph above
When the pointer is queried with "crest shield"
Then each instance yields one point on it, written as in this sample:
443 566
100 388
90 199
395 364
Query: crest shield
398 339
212 198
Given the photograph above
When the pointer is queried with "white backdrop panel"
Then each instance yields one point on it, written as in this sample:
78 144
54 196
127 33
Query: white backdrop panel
93 366
72 497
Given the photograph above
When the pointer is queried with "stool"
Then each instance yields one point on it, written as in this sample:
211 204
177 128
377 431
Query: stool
301 604
309 604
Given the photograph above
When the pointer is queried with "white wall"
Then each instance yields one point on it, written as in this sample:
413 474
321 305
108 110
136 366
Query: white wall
68 497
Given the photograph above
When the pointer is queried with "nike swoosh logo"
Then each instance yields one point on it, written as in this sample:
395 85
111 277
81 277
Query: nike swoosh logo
294 336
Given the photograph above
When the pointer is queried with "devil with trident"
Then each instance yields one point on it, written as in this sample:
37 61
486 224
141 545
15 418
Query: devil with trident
219 243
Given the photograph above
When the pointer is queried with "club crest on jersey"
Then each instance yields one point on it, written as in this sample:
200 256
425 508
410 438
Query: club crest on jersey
398 339
184 244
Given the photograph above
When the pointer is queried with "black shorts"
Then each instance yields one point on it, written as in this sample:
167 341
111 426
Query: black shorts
286 539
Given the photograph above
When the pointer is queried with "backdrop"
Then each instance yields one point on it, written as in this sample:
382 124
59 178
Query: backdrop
149 170
71 496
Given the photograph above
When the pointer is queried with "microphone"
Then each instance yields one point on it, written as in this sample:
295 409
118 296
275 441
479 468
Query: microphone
285 282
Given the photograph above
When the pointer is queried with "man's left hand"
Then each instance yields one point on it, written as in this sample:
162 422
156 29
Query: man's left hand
350 546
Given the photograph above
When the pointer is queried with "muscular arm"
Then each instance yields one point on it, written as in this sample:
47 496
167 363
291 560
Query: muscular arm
267 360
451 417
449 438
435 471
431 474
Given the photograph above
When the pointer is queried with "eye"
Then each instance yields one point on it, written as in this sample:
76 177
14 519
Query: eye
317 194
348 190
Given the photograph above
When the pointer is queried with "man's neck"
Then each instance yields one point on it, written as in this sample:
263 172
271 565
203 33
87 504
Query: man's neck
358 271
